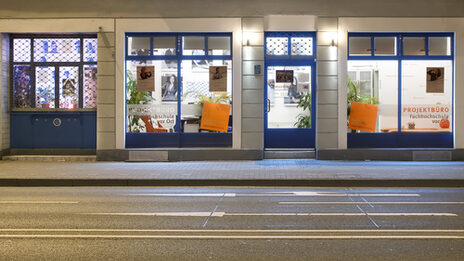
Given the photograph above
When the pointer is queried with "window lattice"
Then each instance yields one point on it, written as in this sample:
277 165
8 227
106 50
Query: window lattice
45 86
302 46
69 87
90 86
90 50
277 46
22 50
57 50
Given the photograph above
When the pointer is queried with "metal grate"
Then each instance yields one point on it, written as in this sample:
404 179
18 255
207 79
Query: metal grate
302 46
90 50
45 86
57 50
277 46
69 87
22 50
90 86
22 94
48 71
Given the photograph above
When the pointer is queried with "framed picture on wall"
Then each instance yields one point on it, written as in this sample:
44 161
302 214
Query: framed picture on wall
435 80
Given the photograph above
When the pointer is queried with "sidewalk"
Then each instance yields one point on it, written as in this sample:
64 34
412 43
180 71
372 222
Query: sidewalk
269 172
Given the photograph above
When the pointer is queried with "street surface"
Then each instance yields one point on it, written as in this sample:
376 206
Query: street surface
113 223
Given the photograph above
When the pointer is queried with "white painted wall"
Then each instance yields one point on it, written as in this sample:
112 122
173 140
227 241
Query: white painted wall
403 25
179 25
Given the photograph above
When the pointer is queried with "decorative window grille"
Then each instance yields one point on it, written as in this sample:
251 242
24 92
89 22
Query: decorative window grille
302 46
54 71
277 46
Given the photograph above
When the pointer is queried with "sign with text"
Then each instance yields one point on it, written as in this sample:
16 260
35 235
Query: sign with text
218 78
363 117
145 78
435 80
215 116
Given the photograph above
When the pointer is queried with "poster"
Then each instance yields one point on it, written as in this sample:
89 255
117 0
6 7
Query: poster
69 87
284 76
215 116
363 116
218 78
145 78
435 80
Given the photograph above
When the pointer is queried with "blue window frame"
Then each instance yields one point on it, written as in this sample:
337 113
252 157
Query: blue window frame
409 47
290 49
179 49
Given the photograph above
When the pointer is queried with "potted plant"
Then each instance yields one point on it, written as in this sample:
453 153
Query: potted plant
354 95
135 97
304 119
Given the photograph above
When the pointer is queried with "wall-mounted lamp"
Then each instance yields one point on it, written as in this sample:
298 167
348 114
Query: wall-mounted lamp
332 43
250 38
330 38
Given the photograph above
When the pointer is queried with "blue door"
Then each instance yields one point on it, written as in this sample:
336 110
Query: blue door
290 90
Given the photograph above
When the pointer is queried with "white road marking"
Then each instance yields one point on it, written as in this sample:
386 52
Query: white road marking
237 237
370 202
234 230
222 214
36 202
164 214
227 195
235 233
276 194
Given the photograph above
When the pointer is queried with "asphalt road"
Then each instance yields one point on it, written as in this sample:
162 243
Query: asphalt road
69 223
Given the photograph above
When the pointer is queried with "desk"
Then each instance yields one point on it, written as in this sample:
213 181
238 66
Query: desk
416 130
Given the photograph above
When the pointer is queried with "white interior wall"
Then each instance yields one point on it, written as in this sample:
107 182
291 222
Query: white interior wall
179 25
403 25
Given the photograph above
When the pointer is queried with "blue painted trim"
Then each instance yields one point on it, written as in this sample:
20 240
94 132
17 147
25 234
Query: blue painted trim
402 139
399 46
290 137
177 139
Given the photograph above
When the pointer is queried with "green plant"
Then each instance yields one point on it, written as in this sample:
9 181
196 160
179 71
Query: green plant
354 95
304 119
135 97
223 98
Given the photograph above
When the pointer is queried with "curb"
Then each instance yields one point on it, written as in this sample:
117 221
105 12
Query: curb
229 182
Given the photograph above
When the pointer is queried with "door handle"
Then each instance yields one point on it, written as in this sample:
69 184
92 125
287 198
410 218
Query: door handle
268 105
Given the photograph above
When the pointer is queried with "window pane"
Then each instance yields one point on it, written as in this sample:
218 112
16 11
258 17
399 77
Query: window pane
138 45
375 82
219 45
360 46
285 96
302 45
154 111
414 46
22 50
45 86
69 87
427 96
385 45
440 45
57 50
277 46
90 86
196 91
193 45
164 46
22 94
90 50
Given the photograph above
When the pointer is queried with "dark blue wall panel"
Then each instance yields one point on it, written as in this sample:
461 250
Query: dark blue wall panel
37 130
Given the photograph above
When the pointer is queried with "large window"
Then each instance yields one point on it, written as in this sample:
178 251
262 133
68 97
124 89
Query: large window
184 71
53 72
409 77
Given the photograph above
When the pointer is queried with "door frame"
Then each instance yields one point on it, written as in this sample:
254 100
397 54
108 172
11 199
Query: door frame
290 137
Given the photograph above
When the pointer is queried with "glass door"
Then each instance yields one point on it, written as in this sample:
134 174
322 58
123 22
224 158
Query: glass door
289 106
290 84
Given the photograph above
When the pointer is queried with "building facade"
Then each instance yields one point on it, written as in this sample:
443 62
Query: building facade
209 80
